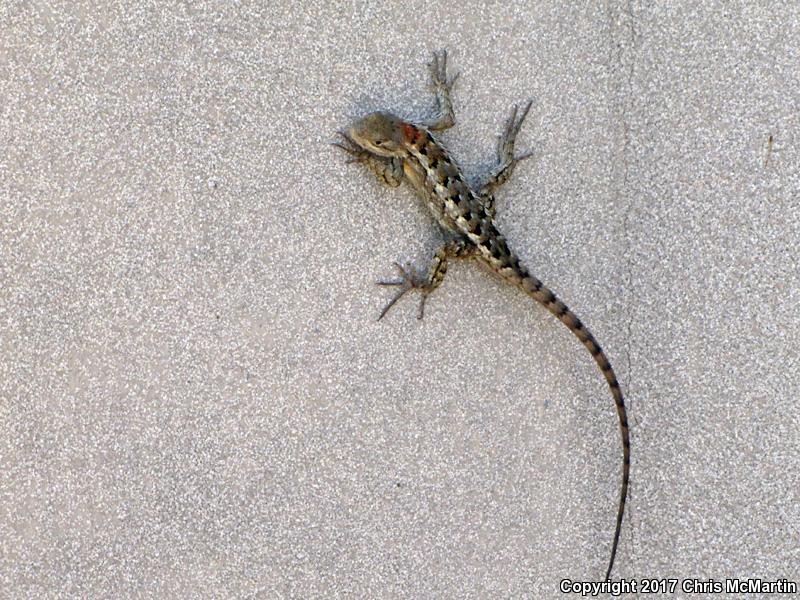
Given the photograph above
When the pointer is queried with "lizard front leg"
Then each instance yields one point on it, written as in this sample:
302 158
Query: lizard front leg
506 161
410 279
441 85
388 171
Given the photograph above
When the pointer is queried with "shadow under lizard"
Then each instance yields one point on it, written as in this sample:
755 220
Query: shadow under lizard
393 149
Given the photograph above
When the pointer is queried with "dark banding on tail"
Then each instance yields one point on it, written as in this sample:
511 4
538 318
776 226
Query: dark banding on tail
548 299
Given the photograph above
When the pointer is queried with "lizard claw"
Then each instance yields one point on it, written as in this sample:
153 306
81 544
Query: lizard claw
513 125
409 280
351 147
438 69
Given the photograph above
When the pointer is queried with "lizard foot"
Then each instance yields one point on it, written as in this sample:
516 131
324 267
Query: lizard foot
438 69
409 280
348 145
441 85
513 125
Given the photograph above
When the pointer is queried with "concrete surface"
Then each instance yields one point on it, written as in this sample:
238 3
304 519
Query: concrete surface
197 399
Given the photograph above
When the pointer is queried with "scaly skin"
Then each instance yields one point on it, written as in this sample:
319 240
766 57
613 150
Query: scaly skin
393 149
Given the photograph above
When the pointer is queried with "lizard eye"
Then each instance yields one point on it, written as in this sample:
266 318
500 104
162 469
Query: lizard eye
378 142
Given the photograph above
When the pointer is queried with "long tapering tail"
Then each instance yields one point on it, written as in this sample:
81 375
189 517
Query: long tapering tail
539 292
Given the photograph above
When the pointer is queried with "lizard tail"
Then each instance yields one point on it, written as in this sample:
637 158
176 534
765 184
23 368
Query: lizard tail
539 292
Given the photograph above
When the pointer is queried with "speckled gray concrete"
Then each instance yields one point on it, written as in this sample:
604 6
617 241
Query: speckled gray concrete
197 400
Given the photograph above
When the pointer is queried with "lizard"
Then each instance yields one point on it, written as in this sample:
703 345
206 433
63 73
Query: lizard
394 149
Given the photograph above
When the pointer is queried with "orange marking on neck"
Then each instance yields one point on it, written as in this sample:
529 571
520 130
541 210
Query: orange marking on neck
411 134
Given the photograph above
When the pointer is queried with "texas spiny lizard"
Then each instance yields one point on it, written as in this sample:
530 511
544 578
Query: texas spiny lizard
394 148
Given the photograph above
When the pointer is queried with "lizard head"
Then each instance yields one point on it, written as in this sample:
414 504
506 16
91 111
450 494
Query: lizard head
381 133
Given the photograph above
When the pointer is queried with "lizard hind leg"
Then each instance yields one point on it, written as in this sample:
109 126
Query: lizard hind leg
411 279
